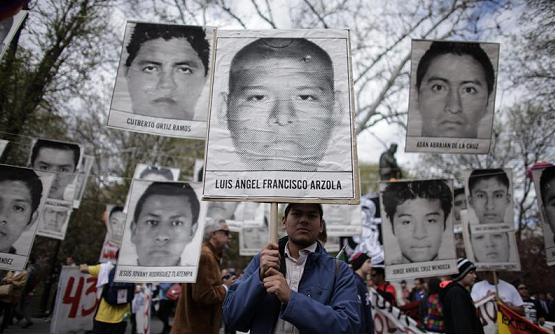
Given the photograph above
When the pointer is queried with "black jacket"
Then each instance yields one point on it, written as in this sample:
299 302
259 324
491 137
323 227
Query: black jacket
460 314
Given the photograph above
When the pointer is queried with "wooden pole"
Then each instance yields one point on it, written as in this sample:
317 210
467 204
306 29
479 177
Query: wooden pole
495 277
273 224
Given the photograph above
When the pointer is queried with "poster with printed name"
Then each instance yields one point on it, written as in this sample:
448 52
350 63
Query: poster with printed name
342 220
54 221
114 220
451 97
163 233
544 189
76 302
61 158
23 193
490 198
281 124
417 228
490 251
162 82
253 236
8 28
81 181
390 319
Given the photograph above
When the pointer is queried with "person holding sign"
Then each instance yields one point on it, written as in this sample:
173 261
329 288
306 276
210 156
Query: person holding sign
295 286
20 196
454 83
164 222
166 69
281 106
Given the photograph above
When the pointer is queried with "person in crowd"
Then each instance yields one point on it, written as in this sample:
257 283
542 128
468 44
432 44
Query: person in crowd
384 288
199 308
11 297
137 306
454 83
460 315
405 292
489 195
20 193
418 292
70 261
34 276
361 266
164 222
60 158
166 69
268 115
165 307
504 290
418 212
531 307
294 285
432 317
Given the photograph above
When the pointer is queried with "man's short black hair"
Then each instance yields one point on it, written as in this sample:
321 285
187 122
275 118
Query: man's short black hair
290 205
169 189
482 174
161 171
26 176
144 32
114 210
458 191
546 176
40 143
439 48
397 193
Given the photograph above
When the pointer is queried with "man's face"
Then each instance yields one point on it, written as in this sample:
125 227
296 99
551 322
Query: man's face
164 227
491 247
280 113
548 202
117 224
54 219
303 224
62 163
469 279
221 238
489 199
254 237
367 267
165 79
15 212
459 204
418 226
453 97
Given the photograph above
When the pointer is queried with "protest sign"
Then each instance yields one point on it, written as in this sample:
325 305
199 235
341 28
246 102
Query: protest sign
24 193
109 251
451 98
163 80
54 221
163 233
544 189
417 228
81 179
389 319
253 236
281 124
342 220
76 302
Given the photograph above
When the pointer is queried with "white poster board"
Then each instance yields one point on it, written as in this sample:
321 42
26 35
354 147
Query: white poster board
544 189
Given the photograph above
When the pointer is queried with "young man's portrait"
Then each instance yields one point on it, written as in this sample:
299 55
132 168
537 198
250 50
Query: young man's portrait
156 173
21 191
253 237
490 196
491 247
115 223
453 86
544 189
55 219
418 214
460 203
61 158
280 104
165 219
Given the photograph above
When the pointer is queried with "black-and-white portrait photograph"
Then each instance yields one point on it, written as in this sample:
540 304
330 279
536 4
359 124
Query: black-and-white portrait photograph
23 194
544 189
342 220
54 222
8 28
3 145
490 200
81 179
156 173
281 118
163 233
253 236
163 80
452 95
490 251
417 228
114 219
61 158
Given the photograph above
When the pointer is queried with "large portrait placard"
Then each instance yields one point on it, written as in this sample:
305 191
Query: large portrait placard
417 228
163 233
54 222
163 80
451 99
342 220
281 123
544 189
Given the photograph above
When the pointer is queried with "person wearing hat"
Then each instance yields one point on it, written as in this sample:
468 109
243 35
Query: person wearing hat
460 315
361 266
199 308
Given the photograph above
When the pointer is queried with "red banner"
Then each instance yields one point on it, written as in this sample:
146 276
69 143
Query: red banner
509 322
